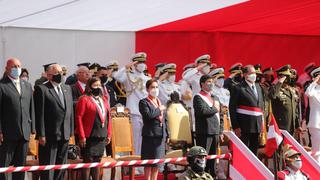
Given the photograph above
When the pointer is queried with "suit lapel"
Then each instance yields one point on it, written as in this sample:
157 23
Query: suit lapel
22 88
11 85
249 90
54 93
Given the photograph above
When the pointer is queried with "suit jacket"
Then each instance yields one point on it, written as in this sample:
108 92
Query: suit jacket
208 120
53 121
86 111
112 95
313 92
76 92
151 124
16 111
243 95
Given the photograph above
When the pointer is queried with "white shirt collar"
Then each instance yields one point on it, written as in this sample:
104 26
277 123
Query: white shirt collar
250 84
14 80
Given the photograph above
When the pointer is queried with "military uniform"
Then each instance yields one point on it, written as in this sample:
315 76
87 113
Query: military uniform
185 87
236 72
191 175
285 103
167 87
135 85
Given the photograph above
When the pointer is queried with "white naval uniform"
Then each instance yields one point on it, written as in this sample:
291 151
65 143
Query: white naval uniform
192 76
135 86
223 95
184 87
313 92
166 88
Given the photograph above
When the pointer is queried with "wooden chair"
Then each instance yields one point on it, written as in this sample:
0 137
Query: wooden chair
122 139
180 130
33 153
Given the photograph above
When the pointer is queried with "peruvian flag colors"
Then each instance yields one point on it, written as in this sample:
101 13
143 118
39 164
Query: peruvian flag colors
274 137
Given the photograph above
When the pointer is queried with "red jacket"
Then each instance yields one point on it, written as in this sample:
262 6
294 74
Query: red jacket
86 111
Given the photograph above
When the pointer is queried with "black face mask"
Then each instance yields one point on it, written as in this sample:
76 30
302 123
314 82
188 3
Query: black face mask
288 80
57 78
96 91
237 78
103 79
196 168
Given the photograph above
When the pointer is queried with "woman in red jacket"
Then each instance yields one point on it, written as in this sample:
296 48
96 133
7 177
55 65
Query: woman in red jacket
93 125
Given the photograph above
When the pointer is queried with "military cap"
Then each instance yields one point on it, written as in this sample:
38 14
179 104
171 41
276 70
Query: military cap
236 68
288 152
217 73
257 67
315 72
197 151
203 59
309 67
140 57
86 64
45 66
160 65
284 70
170 68
112 65
94 67
188 66
268 70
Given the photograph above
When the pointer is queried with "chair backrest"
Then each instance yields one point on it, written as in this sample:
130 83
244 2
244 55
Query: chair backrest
122 136
179 124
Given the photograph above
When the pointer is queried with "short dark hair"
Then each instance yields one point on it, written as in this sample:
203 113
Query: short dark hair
89 84
149 82
102 68
24 70
204 78
246 68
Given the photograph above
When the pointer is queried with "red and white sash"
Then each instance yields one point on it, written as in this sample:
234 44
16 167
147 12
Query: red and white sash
251 111
80 87
206 97
101 109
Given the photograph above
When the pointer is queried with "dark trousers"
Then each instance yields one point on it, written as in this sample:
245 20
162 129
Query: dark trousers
251 140
210 143
54 152
13 153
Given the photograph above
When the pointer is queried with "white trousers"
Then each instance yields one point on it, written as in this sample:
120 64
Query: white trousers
315 140
137 124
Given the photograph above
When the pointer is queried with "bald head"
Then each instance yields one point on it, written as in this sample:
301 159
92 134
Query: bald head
13 64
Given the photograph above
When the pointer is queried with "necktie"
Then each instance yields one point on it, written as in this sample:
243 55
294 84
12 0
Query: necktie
17 85
60 94
254 91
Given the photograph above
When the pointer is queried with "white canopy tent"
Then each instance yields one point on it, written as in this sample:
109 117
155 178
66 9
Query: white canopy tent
69 32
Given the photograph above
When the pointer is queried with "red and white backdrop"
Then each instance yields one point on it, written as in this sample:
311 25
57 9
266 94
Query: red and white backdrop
269 32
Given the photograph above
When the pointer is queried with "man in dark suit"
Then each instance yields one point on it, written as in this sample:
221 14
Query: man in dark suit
54 121
83 75
246 109
208 120
16 118
106 89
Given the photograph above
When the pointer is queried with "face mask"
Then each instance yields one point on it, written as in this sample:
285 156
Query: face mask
210 86
15 72
57 78
103 79
96 91
220 82
154 92
252 77
237 78
198 165
297 164
141 67
25 78
206 69
172 78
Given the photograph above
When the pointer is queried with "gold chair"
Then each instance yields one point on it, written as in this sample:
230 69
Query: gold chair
122 139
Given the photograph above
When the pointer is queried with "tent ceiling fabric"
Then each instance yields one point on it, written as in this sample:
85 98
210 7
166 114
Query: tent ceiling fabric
102 15
255 16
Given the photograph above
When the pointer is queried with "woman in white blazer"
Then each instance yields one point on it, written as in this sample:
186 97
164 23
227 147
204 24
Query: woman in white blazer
313 92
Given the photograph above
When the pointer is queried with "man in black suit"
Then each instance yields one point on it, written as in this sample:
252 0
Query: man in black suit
107 90
208 120
246 109
78 89
54 121
16 118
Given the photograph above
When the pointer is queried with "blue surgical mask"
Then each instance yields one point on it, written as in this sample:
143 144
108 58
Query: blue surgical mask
220 82
15 72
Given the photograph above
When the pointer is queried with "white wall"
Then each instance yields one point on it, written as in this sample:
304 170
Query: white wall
35 47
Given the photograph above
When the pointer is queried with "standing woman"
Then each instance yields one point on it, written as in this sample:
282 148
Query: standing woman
93 125
154 132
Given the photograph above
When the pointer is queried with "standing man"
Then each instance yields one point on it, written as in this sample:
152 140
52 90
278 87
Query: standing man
16 118
82 75
168 85
54 121
285 101
246 109
235 76
43 78
118 88
107 91
208 120
133 78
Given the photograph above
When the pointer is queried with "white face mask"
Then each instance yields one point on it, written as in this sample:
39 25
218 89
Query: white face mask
206 69
141 67
172 78
297 164
201 162
154 92
252 77
220 82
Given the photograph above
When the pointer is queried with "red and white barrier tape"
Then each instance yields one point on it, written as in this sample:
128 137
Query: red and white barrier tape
104 165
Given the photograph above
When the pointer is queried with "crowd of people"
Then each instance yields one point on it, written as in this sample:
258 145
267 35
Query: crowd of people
59 107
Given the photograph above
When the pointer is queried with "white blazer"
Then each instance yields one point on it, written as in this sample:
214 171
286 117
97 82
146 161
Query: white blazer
313 92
